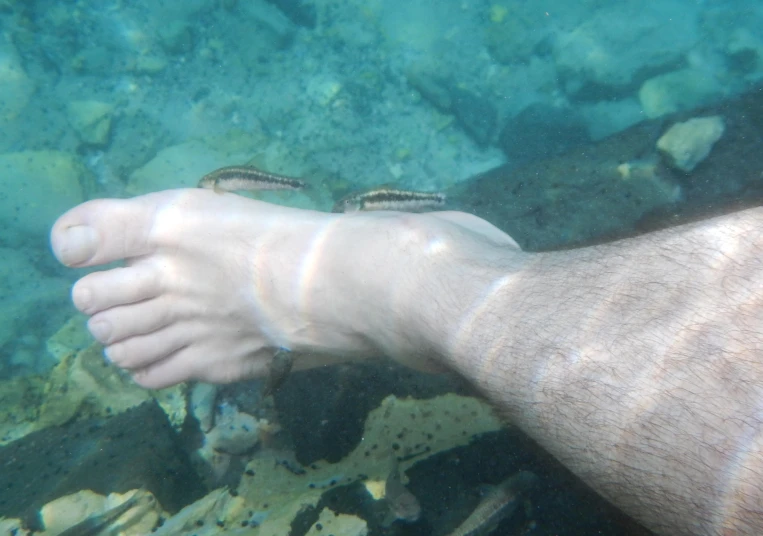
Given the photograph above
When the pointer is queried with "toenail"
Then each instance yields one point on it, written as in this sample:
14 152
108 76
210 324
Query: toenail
111 353
77 245
101 330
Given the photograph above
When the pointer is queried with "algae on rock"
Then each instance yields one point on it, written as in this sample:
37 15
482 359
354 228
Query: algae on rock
84 385
271 494
338 525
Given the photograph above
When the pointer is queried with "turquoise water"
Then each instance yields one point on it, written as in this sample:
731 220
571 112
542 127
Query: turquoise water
468 98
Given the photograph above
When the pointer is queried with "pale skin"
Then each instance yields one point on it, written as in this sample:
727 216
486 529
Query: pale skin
638 364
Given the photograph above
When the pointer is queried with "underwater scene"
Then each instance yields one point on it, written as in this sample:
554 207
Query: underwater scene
563 124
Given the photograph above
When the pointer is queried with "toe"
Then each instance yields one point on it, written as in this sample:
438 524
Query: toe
119 323
165 373
106 230
99 291
101 231
199 363
142 350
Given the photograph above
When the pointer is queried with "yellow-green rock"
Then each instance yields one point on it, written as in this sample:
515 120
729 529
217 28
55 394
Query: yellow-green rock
19 400
84 385
329 522
686 144
71 337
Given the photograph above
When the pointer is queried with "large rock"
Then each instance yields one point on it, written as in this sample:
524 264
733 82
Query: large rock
515 33
541 131
476 115
677 91
135 449
624 43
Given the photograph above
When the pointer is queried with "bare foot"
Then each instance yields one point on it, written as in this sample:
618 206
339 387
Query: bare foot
213 284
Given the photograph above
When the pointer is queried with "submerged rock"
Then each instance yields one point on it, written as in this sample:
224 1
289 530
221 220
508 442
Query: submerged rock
687 144
329 522
622 44
91 120
542 131
676 91
476 115
135 449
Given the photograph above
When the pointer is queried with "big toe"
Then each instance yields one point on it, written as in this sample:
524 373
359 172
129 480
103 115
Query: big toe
105 230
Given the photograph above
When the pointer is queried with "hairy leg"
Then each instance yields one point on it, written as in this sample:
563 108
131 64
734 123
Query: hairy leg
638 364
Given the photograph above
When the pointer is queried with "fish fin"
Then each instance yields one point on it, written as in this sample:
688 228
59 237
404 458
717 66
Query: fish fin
389 518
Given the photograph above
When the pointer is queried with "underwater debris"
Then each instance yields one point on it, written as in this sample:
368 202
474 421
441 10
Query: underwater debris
233 178
402 505
234 434
497 504
390 199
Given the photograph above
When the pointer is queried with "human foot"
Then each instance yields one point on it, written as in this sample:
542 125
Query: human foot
212 284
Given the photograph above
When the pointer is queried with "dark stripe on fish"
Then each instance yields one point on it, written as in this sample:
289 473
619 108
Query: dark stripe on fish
232 178
390 199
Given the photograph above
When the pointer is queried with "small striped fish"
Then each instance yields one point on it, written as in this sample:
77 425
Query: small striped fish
498 504
233 178
390 199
